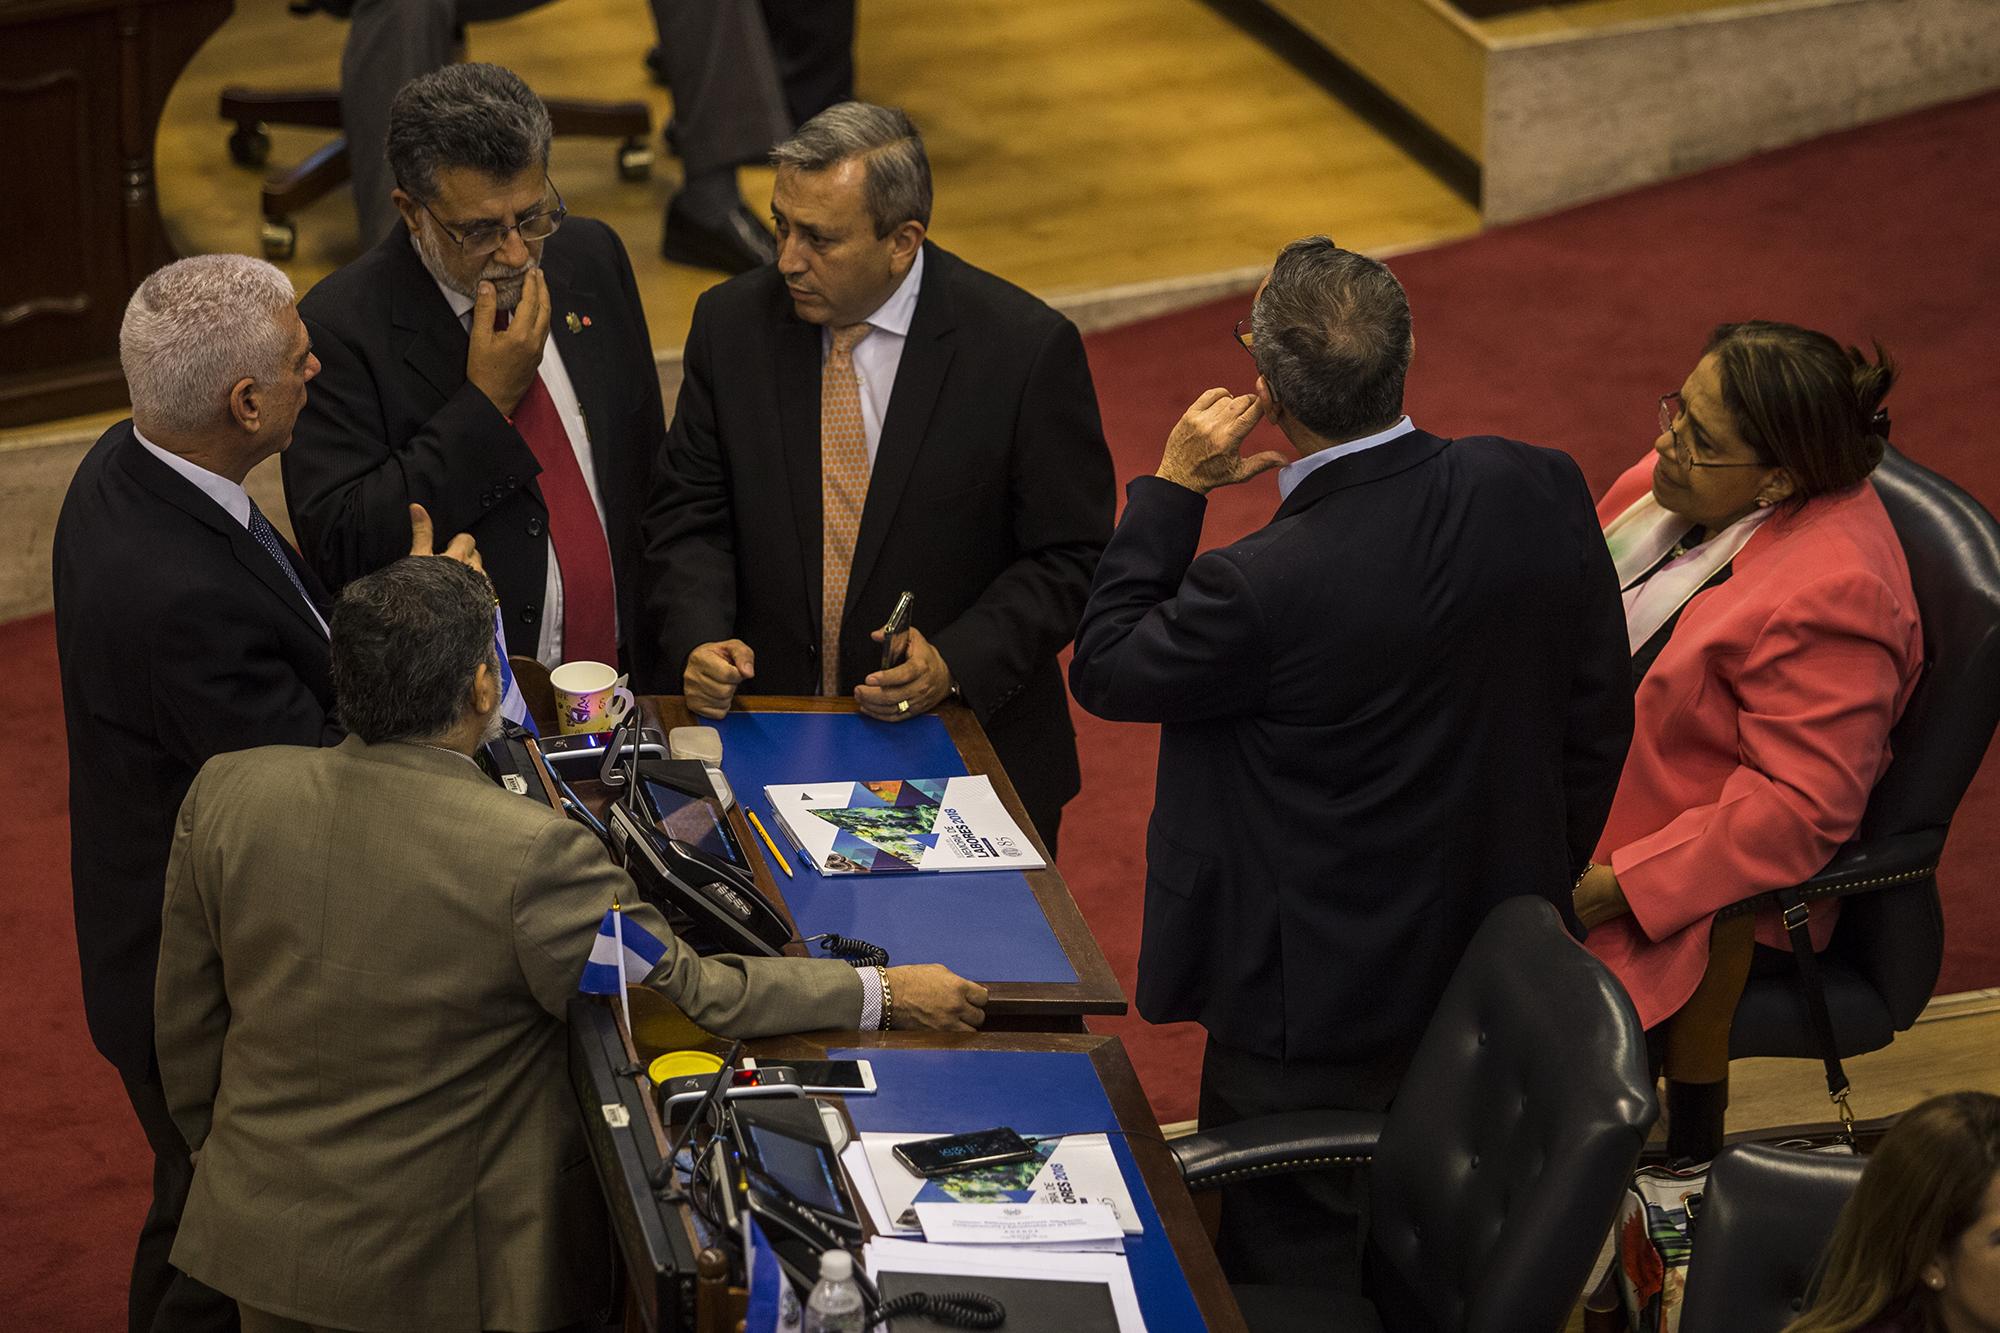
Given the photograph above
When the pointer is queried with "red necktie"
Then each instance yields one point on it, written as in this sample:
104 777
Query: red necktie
589 610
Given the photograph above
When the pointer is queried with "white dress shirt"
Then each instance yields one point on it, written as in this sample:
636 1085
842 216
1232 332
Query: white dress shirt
877 356
235 501
548 643
1292 473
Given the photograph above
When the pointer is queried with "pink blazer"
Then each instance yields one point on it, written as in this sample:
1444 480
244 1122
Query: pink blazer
1757 735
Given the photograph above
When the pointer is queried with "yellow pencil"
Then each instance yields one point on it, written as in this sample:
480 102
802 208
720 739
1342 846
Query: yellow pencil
776 855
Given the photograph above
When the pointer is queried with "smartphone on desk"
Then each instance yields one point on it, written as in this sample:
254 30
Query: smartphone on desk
963 1152
822 1078
896 632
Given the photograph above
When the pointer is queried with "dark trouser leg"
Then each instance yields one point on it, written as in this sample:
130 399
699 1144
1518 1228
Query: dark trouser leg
728 107
814 44
164 1299
1047 819
1302 1230
390 42
1696 1055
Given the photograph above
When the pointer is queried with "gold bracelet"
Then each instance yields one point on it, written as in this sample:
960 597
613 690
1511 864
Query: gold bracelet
888 1001
1588 866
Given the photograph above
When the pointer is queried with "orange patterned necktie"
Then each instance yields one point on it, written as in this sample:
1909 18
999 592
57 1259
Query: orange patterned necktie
843 480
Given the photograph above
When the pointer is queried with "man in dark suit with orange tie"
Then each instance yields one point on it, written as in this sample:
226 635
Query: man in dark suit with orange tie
869 416
489 360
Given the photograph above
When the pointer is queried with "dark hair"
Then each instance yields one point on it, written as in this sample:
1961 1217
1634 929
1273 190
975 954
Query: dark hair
896 180
1803 402
473 116
1921 1193
1332 338
407 640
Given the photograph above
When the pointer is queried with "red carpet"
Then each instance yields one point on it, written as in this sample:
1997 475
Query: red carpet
1562 331
75 1173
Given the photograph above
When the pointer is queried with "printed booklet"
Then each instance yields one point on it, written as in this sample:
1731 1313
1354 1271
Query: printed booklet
1073 1169
874 828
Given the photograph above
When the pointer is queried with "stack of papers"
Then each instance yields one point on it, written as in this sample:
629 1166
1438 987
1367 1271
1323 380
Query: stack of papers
1083 1227
1046 1236
1065 1173
1084 1281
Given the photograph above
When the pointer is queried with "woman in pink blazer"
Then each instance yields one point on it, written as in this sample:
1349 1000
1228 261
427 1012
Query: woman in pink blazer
1775 642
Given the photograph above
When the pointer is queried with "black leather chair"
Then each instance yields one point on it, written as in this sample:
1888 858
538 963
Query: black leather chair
1882 962
1766 1217
1497 1173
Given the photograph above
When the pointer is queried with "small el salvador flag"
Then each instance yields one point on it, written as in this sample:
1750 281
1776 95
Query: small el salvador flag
623 953
513 706
774 1306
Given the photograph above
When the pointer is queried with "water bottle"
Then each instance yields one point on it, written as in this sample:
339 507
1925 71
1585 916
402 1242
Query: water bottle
835 1303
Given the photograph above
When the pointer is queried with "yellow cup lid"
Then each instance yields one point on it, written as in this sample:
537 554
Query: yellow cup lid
679 1064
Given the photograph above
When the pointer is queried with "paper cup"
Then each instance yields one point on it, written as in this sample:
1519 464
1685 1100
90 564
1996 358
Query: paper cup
590 696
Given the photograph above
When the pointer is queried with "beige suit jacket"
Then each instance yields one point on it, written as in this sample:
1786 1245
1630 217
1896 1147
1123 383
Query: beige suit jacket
365 957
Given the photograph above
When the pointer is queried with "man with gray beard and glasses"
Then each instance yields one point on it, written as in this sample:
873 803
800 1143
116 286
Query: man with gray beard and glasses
489 360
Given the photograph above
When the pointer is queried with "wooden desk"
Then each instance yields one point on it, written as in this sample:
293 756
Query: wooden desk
82 85
628 1142
1012 1005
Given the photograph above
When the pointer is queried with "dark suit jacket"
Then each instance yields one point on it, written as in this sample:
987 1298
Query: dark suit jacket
1404 700
391 419
178 639
991 498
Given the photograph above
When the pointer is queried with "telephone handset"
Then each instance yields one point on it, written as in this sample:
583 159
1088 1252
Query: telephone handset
678 847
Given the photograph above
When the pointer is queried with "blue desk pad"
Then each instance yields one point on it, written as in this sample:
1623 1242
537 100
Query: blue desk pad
984 925
1036 1093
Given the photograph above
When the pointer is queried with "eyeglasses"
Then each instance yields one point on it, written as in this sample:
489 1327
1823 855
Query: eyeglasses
1245 338
1673 411
479 242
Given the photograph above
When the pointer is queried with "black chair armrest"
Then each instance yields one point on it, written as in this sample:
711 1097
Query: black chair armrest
1862 867
1276 1145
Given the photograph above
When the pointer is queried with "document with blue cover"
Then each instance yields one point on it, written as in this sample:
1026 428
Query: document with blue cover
1069 1170
901 825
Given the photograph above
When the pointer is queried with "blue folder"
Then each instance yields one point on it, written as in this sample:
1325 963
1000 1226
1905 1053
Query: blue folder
1033 1093
985 925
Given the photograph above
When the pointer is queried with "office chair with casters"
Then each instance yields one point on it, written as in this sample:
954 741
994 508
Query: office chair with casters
1766 1217
1497 1173
326 169
1878 969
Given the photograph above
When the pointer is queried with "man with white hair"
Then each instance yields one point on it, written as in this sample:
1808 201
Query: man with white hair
185 627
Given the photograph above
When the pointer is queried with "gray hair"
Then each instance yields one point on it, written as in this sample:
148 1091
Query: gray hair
195 328
1332 338
477 117
407 640
897 180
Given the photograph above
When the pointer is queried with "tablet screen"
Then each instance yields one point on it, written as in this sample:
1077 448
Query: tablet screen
694 821
806 1171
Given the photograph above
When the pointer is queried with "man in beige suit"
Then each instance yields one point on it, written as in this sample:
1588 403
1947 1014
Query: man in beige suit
366 953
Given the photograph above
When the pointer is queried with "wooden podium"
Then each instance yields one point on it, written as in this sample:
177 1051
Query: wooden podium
82 85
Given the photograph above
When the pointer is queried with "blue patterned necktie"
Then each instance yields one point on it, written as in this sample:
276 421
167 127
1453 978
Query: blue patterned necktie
267 537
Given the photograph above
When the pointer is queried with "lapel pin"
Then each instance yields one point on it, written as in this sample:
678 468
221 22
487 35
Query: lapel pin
575 324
